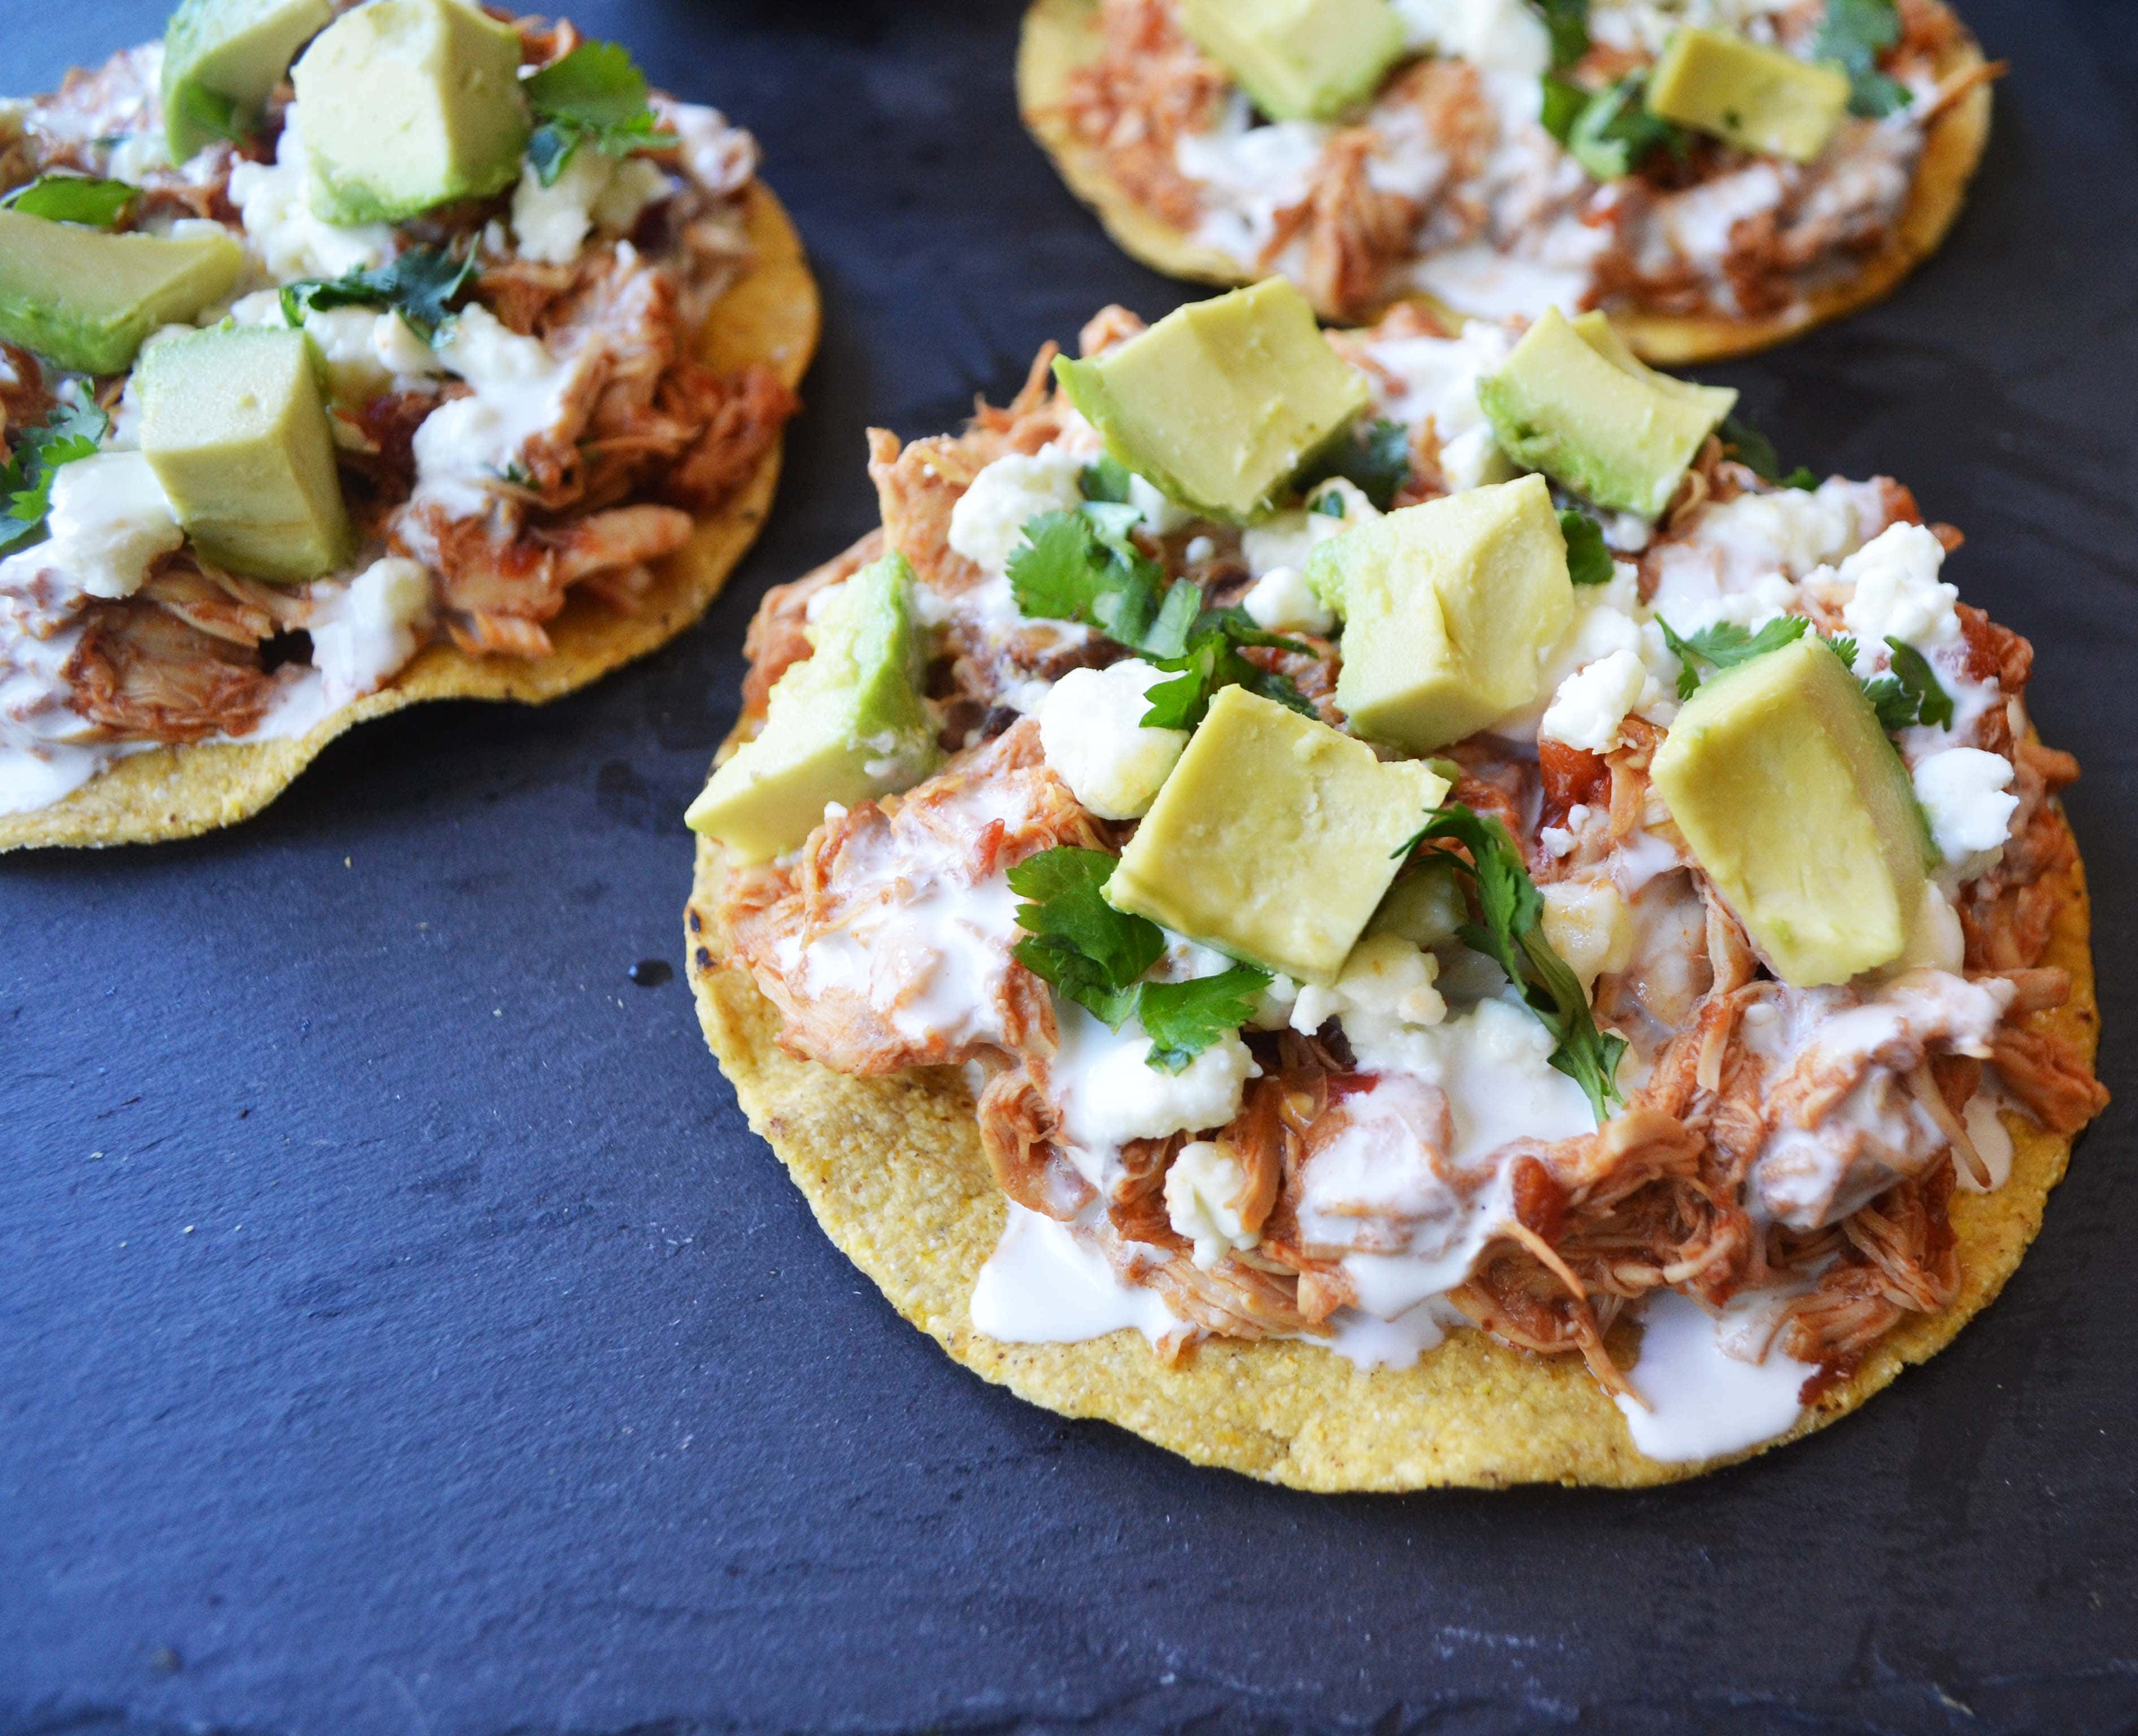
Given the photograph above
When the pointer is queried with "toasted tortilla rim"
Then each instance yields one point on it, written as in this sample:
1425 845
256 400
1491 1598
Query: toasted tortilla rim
1059 35
893 1171
770 315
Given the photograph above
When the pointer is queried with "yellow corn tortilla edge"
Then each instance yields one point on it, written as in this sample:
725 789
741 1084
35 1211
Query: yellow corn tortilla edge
770 315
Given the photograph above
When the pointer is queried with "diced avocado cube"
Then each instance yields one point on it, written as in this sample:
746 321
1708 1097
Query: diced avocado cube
409 103
844 725
1221 401
1756 98
84 299
1571 401
1798 808
1447 609
1274 837
224 57
235 426
1300 60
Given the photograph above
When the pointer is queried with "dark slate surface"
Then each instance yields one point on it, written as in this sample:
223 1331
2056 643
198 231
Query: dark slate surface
401 1331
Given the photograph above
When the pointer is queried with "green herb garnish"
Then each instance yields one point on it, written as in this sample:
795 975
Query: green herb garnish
72 199
1588 560
70 432
1909 695
1093 953
1375 459
1212 661
1566 22
1856 32
1106 479
1082 566
1512 933
1611 133
1725 645
1755 451
594 96
420 284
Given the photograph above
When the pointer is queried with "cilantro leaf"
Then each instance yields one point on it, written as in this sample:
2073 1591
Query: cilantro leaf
1184 1018
1512 933
1212 661
1613 134
1756 452
1856 32
1094 955
1082 566
72 199
1564 100
1894 704
1588 561
1929 703
70 432
595 95
1375 458
1725 645
1843 646
1566 22
421 283
1104 478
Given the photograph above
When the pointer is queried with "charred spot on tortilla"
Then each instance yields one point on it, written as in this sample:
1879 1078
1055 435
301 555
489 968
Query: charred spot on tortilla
1358 1033
1715 190
481 404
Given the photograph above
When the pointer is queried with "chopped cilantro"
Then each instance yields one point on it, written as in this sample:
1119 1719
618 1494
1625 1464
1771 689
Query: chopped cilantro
72 199
1184 1018
1588 561
1725 645
1856 32
1564 100
1512 933
1566 22
1104 478
70 432
1611 133
1376 458
1082 566
1094 955
1756 452
1212 661
421 283
1927 702
595 95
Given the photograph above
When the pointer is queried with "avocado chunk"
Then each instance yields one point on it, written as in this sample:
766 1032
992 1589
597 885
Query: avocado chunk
1756 98
235 426
1571 401
86 298
1448 608
1300 60
221 60
1797 806
1274 837
409 103
1221 401
845 724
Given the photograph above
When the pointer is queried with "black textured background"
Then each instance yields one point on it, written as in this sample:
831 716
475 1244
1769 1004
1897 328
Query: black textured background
400 1331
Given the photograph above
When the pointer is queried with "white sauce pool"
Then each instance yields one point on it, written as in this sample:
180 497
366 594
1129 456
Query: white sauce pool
1702 1401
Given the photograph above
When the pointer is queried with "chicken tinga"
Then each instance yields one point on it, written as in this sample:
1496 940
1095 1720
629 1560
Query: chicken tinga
1432 857
354 356
1715 175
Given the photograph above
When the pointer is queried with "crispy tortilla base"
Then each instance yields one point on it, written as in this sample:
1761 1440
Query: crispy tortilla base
769 315
1059 35
893 1169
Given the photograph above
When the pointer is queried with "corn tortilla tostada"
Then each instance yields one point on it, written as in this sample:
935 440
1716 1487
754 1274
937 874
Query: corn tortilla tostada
553 402
1447 183
1612 1035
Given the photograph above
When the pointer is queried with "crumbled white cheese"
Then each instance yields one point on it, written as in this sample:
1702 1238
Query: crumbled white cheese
364 350
275 200
1472 459
1282 601
109 521
1498 36
1588 925
719 157
1592 703
1898 595
1384 993
987 523
1162 515
133 157
1965 795
1090 729
550 224
1203 1191
364 631
1287 538
1114 1095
